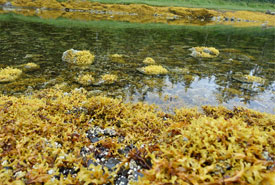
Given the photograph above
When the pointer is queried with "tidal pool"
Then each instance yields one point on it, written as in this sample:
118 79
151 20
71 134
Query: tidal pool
190 81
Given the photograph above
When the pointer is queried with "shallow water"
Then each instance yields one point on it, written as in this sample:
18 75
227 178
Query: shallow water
201 82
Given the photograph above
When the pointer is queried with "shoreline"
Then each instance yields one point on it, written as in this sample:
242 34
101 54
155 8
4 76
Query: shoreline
142 12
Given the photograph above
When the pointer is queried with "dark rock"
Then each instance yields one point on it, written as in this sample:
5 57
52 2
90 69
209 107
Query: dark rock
137 174
8 168
269 12
66 171
122 180
91 161
111 163
94 139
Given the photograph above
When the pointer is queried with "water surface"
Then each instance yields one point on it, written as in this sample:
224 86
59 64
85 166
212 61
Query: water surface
190 82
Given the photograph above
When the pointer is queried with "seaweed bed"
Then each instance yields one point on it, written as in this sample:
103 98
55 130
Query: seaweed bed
54 137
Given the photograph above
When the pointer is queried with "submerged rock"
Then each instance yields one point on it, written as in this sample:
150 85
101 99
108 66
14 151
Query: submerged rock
9 74
153 70
78 57
205 52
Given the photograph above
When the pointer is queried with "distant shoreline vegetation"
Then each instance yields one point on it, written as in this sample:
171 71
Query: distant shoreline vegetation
252 5
64 22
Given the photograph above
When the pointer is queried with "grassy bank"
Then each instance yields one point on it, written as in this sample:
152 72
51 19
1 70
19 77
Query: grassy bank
213 4
116 25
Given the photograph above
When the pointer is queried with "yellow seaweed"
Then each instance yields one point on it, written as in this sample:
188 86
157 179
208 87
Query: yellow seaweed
154 70
9 74
149 61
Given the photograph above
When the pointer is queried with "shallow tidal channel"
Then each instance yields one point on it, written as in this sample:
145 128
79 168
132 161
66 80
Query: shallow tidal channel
190 82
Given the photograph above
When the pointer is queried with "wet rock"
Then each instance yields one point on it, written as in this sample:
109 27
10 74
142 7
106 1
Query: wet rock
91 162
269 12
111 163
121 180
66 171
76 57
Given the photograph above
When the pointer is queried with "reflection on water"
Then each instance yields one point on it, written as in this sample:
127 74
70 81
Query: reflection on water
191 81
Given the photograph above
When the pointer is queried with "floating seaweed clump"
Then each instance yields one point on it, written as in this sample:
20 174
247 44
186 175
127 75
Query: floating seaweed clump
9 74
56 137
153 70
78 57
85 80
205 52
149 61
109 79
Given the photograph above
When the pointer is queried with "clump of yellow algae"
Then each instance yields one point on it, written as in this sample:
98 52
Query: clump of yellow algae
205 52
149 61
85 80
9 74
117 58
251 78
78 57
46 132
31 67
153 70
109 78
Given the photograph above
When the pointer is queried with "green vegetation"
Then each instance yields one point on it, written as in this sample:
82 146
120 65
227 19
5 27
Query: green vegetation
254 5
117 25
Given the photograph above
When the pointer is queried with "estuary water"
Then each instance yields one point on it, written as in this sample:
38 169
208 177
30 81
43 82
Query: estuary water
190 82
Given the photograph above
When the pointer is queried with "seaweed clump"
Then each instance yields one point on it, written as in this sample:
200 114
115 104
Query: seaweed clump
9 74
78 57
109 79
248 78
251 78
53 137
149 61
153 70
117 58
85 80
30 67
204 52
